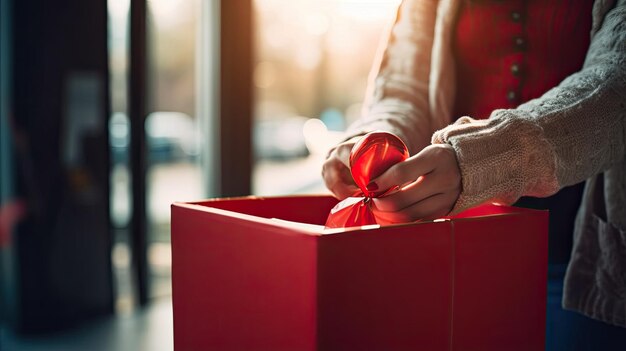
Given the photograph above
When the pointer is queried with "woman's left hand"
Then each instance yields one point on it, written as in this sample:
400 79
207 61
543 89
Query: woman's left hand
429 185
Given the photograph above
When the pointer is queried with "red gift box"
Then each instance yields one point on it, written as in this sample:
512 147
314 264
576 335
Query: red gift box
249 275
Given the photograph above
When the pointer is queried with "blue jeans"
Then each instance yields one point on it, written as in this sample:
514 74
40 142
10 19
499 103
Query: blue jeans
572 331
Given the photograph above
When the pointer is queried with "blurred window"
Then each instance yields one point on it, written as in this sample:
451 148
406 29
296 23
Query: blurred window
172 136
313 58
119 139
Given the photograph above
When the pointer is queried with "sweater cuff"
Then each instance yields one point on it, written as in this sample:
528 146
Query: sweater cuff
501 159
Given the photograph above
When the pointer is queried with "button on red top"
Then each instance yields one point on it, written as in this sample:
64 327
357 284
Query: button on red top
509 52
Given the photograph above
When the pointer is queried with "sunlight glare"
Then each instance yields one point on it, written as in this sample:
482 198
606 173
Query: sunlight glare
118 8
318 138
367 10
167 13
317 24
264 74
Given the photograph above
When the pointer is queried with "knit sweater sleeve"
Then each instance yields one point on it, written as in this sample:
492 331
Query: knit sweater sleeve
572 132
397 98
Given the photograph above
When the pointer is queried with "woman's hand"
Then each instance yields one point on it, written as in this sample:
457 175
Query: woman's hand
429 183
336 171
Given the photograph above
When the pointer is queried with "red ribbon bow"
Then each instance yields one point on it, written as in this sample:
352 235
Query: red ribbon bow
370 157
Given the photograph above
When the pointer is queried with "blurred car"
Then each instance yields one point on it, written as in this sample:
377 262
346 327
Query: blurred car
280 139
119 137
170 137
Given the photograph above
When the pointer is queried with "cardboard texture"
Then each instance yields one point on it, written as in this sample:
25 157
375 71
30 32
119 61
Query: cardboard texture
243 280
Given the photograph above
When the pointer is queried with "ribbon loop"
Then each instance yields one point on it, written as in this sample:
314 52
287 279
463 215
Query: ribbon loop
370 157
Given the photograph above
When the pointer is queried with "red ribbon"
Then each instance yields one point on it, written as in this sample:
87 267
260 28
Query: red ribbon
370 157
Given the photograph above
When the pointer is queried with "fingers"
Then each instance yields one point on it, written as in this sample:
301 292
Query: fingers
342 153
338 179
430 192
429 183
424 187
402 174
433 207
336 172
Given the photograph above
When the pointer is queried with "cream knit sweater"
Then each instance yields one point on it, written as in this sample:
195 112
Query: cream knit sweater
574 132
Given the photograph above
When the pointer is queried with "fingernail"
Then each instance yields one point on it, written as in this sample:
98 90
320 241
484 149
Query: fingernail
372 186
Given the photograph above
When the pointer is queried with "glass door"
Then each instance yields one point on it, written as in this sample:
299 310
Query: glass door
171 132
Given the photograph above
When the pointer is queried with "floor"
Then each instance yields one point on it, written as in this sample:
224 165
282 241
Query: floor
146 330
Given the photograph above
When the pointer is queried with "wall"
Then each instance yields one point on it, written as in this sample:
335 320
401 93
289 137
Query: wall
60 103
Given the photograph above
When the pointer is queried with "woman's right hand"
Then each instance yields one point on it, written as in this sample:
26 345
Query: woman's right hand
336 170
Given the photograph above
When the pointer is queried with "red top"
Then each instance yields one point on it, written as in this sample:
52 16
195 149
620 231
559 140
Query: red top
509 52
